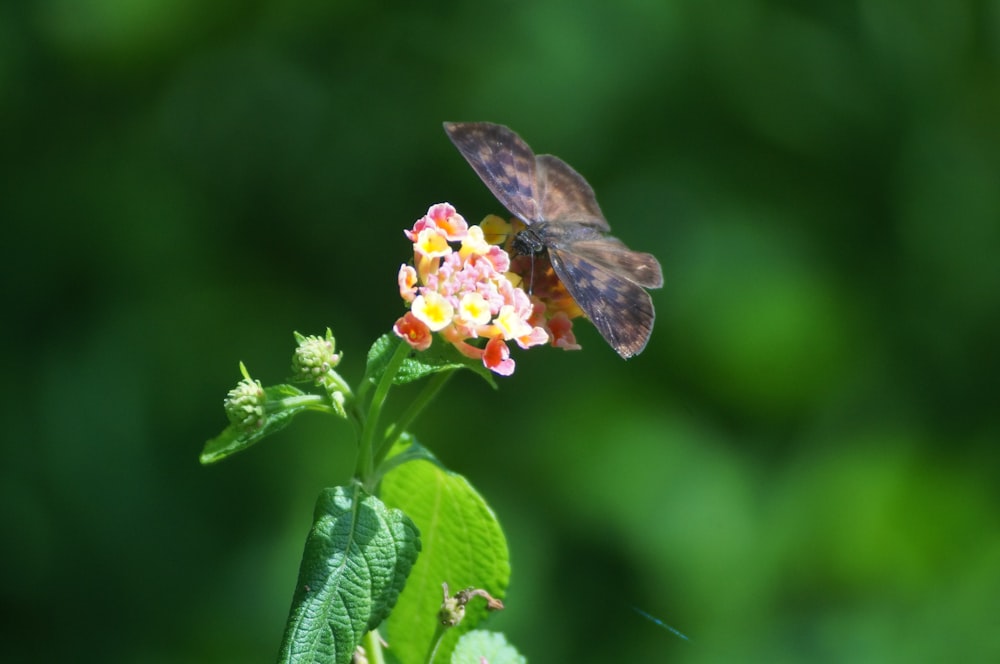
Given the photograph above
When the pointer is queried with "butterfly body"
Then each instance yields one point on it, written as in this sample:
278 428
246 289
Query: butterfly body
562 219
541 235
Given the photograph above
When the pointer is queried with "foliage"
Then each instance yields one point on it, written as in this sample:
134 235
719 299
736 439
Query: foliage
802 466
360 550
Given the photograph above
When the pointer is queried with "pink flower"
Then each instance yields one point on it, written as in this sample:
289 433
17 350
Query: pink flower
451 223
407 282
561 330
497 357
441 217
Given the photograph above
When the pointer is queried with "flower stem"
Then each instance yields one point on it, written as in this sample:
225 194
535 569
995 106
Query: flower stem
366 466
341 385
438 635
310 401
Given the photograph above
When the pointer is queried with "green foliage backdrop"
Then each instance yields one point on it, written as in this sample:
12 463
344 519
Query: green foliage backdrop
803 464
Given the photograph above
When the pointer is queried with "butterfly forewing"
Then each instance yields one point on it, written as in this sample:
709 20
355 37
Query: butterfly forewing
605 277
503 161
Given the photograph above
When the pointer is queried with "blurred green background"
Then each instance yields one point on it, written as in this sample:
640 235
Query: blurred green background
802 465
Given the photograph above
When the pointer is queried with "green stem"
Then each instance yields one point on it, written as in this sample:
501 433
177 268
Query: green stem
438 636
366 466
396 430
356 417
373 647
310 401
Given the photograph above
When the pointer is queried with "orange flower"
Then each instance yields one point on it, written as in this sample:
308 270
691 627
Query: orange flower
413 331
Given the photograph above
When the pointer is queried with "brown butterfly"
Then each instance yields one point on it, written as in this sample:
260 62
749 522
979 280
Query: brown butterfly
605 277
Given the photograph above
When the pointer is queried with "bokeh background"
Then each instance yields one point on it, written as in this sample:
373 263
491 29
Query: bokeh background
802 465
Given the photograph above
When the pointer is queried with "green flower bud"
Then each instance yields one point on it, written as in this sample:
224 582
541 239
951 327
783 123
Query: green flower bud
244 403
314 358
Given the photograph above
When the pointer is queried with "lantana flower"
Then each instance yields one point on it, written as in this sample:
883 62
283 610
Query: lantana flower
469 292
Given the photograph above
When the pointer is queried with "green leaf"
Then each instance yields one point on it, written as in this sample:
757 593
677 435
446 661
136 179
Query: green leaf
463 545
355 563
405 450
479 645
235 439
441 356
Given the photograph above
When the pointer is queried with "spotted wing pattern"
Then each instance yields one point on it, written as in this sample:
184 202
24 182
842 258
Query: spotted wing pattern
503 161
605 277
618 307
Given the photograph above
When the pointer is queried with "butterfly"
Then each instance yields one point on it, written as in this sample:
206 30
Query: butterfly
562 218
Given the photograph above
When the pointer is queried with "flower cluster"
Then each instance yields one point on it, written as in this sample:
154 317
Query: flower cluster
467 293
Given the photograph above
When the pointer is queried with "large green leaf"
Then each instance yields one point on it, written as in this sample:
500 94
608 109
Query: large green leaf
463 546
355 563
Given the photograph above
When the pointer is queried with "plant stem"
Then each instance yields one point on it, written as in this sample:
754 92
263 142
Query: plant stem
310 401
366 464
438 636
373 647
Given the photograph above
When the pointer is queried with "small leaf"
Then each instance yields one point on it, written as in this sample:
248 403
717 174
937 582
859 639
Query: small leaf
356 561
441 356
463 545
479 645
379 355
235 439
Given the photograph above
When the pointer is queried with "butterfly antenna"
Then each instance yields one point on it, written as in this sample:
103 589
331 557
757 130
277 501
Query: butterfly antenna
657 621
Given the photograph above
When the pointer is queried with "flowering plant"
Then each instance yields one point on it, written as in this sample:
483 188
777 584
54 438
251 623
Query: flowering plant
361 576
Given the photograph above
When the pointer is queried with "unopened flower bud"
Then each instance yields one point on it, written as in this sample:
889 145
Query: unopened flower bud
314 358
244 403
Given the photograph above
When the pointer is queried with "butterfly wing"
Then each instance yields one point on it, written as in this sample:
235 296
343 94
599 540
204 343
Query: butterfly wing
503 161
604 276
611 254
617 306
566 197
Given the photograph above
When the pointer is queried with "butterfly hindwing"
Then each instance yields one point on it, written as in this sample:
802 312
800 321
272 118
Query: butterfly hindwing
619 308
611 254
